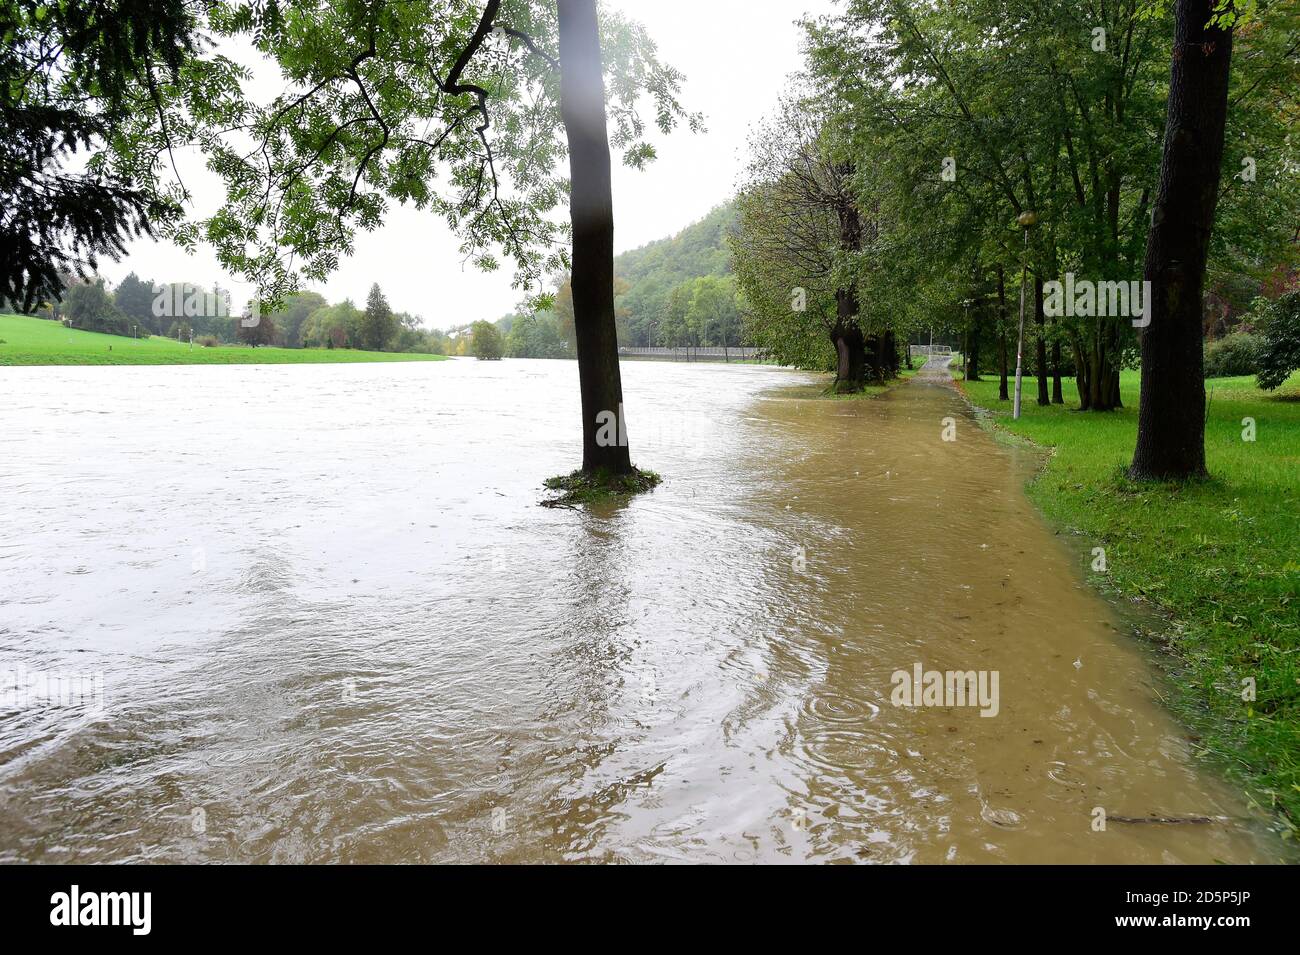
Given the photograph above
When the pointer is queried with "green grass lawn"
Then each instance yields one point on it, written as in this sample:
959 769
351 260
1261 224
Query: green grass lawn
1220 557
35 341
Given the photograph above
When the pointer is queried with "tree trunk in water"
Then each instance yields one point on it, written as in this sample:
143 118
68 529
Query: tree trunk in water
591 208
1040 353
1171 409
1002 337
1057 397
851 359
850 347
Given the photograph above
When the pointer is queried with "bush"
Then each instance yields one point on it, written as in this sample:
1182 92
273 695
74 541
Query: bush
487 345
1280 341
89 307
1235 354
208 341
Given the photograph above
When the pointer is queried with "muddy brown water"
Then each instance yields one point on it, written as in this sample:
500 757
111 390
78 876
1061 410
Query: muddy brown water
332 624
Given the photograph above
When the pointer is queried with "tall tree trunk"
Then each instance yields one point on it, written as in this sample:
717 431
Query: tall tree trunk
1081 371
889 354
1171 408
1002 337
850 347
973 344
851 359
1040 353
1057 397
591 208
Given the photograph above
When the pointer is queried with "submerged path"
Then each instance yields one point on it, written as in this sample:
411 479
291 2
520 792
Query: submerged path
333 625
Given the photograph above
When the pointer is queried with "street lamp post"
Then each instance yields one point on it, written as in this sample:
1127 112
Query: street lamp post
1026 221
965 348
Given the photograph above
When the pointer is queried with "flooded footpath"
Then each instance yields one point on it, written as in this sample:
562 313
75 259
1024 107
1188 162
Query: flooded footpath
314 613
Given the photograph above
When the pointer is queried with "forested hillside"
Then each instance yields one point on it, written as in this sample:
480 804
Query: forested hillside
673 291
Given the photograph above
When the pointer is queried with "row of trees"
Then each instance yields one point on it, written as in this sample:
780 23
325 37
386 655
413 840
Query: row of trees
703 311
139 308
942 160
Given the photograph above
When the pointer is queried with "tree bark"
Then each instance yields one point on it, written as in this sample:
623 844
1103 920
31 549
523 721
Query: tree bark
591 209
973 347
889 354
1003 395
1057 397
1171 408
1040 350
851 359
850 345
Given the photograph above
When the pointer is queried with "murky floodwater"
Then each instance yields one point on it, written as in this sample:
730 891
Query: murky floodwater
334 625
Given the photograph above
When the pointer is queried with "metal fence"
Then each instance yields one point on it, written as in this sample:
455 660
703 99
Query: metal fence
687 353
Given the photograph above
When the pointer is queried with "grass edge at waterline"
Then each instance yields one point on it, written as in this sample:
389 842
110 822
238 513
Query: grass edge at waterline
1217 558
29 341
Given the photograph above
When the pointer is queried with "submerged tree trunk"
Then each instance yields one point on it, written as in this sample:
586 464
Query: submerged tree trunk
851 359
1002 337
591 208
1171 409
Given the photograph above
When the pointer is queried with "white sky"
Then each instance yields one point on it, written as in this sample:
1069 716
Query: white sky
736 55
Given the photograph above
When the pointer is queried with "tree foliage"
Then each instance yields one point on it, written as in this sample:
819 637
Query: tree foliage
487 343
1280 351
70 75
448 105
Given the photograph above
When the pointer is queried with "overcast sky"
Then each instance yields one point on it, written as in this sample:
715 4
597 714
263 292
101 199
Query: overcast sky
736 55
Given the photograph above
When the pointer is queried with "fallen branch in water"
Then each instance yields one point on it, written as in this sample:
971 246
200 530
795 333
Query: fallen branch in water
1169 820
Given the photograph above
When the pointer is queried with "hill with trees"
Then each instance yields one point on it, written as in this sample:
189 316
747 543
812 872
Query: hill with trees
677 291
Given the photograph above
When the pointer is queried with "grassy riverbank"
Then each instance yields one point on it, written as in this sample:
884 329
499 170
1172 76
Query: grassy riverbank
1220 557
34 341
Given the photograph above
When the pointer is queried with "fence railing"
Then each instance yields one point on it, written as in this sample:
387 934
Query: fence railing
688 353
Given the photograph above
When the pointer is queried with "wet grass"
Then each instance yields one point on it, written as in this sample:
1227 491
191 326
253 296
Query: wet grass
598 487
1220 558
33 341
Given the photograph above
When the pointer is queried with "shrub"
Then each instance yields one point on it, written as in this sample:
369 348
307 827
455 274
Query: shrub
1235 354
1280 347
208 341
488 345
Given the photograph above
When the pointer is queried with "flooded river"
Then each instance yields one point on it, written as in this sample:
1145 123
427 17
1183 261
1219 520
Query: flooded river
324 619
